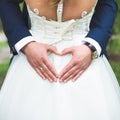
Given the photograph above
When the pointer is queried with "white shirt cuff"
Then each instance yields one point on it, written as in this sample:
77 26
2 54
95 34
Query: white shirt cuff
94 43
19 45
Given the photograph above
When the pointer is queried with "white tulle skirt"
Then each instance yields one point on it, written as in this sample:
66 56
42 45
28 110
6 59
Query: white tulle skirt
26 96
94 96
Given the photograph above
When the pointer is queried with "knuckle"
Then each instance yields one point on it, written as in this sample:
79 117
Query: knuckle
41 58
76 61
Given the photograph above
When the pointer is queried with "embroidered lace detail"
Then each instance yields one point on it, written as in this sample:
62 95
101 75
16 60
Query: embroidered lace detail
36 11
83 14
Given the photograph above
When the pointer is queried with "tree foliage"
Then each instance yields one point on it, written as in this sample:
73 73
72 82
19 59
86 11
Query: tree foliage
116 28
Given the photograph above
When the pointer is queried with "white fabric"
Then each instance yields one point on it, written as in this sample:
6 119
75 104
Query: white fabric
94 96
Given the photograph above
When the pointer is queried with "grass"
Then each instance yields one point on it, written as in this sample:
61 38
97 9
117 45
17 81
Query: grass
114 53
114 45
2 45
3 70
116 69
4 65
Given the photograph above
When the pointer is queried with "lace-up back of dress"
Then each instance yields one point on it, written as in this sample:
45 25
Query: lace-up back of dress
83 10
81 24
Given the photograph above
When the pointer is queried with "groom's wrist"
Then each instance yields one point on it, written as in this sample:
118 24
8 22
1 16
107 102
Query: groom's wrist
22 43
93 43
93 50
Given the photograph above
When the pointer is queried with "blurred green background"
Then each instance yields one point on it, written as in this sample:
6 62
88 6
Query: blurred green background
113 49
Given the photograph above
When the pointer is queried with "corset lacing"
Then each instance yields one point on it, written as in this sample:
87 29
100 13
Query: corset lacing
58 30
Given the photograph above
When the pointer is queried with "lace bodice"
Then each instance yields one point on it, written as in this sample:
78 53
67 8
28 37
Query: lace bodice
59 28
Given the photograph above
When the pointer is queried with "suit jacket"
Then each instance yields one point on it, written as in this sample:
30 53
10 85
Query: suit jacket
16 23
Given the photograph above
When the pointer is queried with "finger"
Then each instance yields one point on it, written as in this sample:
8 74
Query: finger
74 76
78 75
47 76
49 66
66 69
68 74
48 73
71 76
67 51
53 49
40 74
41 70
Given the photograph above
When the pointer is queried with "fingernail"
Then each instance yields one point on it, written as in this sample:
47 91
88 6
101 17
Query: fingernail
65 81
44 78
58 76
51 80
60 80
73 80
55 80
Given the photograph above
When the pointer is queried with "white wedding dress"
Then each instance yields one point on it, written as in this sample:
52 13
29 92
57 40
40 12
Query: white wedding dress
26 96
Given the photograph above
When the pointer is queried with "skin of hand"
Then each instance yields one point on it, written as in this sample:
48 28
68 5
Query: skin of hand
81 59
37 56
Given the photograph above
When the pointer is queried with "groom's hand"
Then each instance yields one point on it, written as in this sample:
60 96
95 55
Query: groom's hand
81 59
37 56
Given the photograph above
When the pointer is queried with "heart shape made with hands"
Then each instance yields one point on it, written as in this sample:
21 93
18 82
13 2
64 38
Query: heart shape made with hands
76 63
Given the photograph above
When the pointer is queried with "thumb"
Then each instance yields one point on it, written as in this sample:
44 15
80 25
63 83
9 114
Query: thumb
66 51
53 49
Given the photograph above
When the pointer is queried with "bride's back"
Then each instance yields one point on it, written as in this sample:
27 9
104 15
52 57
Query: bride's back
72 9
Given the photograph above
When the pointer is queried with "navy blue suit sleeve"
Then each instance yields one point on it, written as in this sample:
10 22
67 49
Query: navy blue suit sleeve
13 21
102 22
